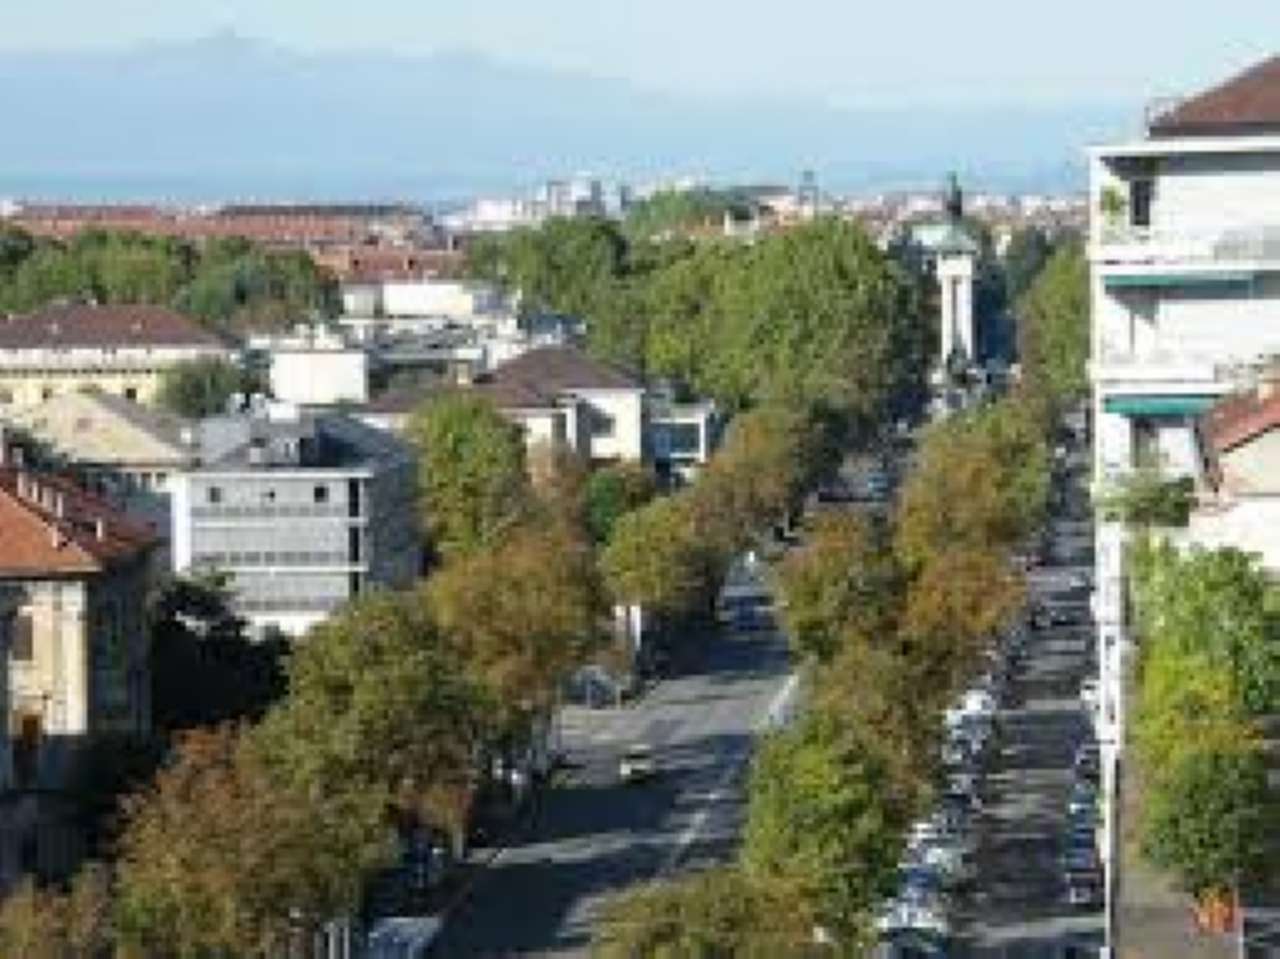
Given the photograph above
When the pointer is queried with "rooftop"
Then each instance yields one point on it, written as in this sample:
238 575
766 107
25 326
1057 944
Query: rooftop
49 527
557 368
94 327
1235 420
95 427
1248 103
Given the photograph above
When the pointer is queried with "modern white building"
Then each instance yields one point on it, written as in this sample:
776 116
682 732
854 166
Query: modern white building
314 366
1184 248
305 512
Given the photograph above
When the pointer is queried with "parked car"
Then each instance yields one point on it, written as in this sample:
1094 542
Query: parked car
1080 859
1087 763
1083 802
1089 693
1084 889
637 763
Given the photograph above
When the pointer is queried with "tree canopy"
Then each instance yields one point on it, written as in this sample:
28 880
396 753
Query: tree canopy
816 315
1053 326
230 284
199 388
471 467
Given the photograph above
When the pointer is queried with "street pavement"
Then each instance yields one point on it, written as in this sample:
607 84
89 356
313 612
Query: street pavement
1018 910
592 836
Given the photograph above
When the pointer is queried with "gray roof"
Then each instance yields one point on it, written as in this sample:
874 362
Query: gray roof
551 369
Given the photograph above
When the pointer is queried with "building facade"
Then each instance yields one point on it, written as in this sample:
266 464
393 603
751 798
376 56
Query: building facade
1184 250
74 576
119 450
123 350
303 512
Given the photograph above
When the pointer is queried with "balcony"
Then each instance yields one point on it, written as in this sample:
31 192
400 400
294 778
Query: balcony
1247 247
1178 370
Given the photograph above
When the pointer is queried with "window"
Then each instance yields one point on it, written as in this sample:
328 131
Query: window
22 644
46 392
269 496
601 424
1141 193
26 749
131 394
215 495
321 494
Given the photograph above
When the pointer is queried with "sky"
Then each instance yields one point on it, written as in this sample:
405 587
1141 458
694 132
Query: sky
838 52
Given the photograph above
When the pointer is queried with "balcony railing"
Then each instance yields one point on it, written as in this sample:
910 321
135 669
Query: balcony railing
1160 245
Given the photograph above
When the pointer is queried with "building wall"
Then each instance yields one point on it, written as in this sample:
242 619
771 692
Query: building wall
298 544
320 377
87 672
615 423
28 377
435 298
1248 523
1210 192
1254 468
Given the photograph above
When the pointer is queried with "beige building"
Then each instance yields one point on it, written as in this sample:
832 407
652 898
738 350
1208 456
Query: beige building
121 350
73 577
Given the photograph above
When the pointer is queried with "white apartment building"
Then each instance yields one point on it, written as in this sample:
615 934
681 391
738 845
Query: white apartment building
314 366
1184 247
304 512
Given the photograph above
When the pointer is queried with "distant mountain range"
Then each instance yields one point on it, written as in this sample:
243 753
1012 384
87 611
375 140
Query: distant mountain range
225 117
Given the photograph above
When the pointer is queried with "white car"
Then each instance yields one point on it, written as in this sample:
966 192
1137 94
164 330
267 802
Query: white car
898 915
637 763
1089 693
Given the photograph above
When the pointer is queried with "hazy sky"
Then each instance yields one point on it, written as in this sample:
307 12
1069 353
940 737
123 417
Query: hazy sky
844 51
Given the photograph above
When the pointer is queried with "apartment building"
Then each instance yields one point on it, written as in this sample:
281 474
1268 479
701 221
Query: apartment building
304 512
1184 247
116 349
74 575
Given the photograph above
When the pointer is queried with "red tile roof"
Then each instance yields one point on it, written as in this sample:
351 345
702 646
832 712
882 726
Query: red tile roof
1235 420
1247 103
81 325
88 537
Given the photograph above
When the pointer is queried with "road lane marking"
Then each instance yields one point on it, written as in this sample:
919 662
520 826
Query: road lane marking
772 717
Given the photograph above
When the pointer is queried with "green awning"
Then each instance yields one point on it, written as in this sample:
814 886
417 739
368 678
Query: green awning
1148 280
1158 405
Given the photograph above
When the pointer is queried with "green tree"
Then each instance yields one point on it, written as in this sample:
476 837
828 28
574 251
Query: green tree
205 669
1028 251
841 586
818 817
222 857
471 471
50 924
613 491
523 613
721 912
1053 326
1207 816
199 388
656 559
381 703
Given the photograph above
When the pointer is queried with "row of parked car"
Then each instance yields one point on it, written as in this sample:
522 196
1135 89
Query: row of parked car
940 857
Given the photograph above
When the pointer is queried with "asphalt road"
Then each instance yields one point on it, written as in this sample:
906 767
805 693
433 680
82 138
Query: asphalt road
1019 908
592 835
